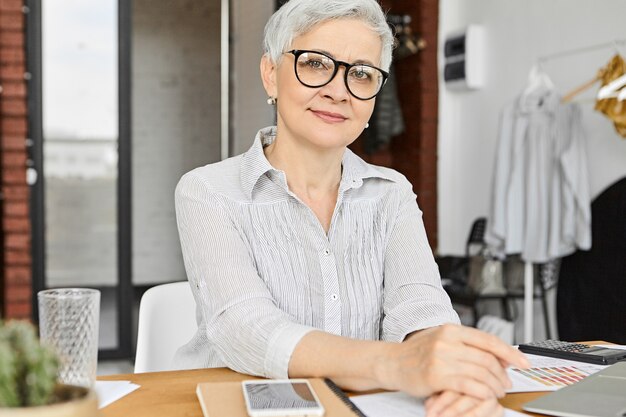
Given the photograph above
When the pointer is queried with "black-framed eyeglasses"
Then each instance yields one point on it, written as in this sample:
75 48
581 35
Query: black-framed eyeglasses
315 69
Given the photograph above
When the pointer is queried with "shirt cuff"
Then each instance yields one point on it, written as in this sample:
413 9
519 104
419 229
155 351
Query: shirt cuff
427 325
409 318
280 348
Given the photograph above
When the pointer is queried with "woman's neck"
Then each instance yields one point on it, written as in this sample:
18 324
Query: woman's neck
312 173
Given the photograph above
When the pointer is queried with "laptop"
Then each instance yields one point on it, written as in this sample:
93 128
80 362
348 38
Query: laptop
602 394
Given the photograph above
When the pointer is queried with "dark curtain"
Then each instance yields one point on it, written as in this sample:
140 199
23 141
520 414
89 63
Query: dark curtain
591 298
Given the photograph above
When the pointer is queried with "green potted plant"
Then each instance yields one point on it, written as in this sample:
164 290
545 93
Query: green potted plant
28 378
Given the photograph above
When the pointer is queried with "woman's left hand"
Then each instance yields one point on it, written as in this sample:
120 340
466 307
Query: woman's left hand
453 404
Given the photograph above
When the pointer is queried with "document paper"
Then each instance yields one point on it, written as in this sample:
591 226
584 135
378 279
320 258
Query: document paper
111 391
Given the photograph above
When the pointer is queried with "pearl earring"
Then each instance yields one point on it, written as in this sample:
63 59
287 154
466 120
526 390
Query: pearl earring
367 125
271 101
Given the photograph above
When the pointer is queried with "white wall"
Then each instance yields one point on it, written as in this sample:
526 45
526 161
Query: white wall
519 31
249 111
176 121
176 111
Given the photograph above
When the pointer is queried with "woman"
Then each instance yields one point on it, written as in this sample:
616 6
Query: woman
305 260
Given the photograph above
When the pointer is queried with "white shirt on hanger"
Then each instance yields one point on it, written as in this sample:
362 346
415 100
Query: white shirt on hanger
540 197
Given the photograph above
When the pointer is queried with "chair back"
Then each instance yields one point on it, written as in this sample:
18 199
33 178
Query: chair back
167 320
476 239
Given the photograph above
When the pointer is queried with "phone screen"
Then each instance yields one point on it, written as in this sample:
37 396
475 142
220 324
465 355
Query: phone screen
281 396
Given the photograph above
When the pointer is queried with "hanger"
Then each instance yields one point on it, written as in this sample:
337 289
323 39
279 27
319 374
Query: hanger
612 89
538 82
576 91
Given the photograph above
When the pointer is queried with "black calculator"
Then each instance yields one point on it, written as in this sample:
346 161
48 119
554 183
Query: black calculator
574 352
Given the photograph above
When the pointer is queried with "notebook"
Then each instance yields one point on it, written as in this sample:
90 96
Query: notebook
602 394
225 399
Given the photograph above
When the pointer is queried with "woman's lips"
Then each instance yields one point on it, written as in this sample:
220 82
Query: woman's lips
329 117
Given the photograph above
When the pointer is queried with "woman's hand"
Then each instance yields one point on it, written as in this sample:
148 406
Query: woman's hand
450 358
453 404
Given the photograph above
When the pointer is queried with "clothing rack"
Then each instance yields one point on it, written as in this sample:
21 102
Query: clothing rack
528 266
615 43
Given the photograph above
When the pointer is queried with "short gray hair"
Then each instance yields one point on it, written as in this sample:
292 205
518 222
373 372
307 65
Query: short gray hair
297 17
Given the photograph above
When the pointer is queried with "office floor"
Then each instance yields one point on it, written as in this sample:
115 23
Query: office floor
108 334
115 367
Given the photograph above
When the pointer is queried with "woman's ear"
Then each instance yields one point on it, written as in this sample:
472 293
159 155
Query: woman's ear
268 75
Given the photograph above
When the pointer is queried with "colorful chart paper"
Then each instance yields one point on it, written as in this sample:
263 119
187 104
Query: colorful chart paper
557 376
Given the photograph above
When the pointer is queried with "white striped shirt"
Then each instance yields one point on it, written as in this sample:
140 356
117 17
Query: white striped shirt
264 272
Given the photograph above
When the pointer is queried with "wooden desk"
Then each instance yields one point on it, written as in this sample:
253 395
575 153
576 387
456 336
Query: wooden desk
173 394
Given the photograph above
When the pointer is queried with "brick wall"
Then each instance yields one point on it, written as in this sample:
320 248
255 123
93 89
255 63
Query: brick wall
414 153
15 278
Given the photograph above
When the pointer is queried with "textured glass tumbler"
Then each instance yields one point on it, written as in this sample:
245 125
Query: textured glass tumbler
68 321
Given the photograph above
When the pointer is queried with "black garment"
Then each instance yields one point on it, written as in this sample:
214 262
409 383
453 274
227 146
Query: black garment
386 121
591 298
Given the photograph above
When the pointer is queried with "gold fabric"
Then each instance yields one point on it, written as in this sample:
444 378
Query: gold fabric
611 107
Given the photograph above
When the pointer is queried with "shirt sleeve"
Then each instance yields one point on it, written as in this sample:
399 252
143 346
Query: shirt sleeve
242 320
413 298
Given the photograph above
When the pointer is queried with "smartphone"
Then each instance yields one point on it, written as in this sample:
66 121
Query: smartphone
281 397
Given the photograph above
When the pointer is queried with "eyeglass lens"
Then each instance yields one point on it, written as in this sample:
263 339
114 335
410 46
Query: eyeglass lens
315 70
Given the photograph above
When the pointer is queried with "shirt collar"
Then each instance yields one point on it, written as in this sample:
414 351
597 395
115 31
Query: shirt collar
355 170
255 164
546 101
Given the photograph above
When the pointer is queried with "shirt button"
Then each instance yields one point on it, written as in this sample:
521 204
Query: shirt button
334 297
326 252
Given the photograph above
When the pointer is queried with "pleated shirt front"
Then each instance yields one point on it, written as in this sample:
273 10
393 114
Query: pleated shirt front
264 272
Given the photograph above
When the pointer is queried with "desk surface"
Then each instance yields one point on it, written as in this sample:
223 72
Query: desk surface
173 394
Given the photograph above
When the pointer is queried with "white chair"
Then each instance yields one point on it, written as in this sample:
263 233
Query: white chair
167 320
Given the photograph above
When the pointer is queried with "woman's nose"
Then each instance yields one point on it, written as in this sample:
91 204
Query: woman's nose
336 88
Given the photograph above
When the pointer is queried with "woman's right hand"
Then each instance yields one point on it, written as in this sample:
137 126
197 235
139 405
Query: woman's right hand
449 358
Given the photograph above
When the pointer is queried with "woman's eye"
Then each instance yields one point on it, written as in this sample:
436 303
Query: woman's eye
361 74
315 64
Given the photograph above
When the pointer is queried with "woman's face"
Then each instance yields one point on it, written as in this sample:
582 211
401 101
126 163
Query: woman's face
326 117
